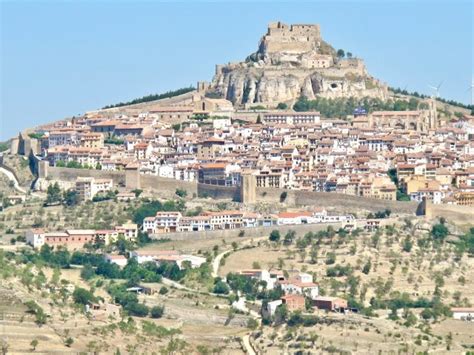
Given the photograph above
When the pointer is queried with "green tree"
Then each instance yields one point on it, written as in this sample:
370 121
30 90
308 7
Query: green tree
289 237
87 272
53 194
157 311
439 232
281 313
82 296
68 342
313 254
220 287
71 198
181 192
367 267
340 53
282 106
137 309
274 236
407 244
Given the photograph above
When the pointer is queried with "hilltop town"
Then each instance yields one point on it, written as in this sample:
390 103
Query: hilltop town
293 204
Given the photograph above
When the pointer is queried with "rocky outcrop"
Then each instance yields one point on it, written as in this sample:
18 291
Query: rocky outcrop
292 61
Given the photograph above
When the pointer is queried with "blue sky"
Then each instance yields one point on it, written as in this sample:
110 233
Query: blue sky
60 59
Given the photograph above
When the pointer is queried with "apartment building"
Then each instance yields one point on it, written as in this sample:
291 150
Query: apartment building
88 187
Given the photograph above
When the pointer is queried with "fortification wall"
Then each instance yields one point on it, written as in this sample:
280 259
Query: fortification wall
295 198
280 45
70 174
166 185
219 192
147 182
341 202
461 215
300 230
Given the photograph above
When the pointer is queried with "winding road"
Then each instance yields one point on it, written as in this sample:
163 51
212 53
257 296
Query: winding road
217 262
248 346
12 177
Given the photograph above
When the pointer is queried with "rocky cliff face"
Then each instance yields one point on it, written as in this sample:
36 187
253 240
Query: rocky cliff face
292 61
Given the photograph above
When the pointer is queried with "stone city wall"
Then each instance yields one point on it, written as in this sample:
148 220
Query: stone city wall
71 174
147 182
295 198
461 215
341 202
219 192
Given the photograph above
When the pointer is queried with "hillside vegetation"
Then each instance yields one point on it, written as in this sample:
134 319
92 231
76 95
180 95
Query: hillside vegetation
153 97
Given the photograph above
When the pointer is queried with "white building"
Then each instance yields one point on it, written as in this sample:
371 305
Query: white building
195 224
144 256
35 237
432 195
163 222
466 313
57 138
285 218
120 260
290 117
88 187
301 284
128 230
271 307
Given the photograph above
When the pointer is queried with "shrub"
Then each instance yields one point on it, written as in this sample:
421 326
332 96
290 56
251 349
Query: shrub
137 309
221 288
439 232
274 236
181 192
330 258
157 311
367 266
87 272
252 324
82 296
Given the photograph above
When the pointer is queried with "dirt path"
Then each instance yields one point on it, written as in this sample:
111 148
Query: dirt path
12 177
247 345
217 262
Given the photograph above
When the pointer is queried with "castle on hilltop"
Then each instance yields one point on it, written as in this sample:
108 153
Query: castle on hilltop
294 38
293 61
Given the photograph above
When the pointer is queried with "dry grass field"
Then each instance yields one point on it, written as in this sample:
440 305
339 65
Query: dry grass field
420 272
200 322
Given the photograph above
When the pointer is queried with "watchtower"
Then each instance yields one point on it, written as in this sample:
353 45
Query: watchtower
132 176
248 189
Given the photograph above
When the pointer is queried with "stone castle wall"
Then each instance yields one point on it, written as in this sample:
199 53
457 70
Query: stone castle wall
219 192
459 215
294 38
340 202
295 198
166 186
70 174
